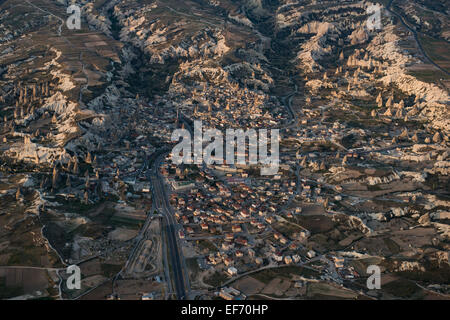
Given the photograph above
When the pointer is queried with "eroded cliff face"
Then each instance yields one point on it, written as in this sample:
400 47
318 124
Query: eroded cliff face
223 45
209 47
432 101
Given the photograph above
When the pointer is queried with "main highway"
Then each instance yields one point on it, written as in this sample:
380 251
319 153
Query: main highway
162 205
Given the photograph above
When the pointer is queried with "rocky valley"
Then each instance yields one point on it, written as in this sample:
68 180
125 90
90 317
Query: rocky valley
358 90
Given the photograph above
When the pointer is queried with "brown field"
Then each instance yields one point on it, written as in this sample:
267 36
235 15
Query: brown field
99 293
91 268
312 209
277 287
316 223
437 50
249 285
133 289
327 291
23 280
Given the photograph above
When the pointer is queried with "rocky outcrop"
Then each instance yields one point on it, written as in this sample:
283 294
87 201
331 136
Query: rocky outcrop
432 101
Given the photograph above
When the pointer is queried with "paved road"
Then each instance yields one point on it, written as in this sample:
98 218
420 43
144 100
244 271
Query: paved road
32 268
162 204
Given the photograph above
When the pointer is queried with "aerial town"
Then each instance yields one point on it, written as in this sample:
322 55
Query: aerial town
358 91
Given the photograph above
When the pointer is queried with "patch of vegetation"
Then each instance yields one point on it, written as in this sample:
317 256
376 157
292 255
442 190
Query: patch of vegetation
434 273
374 188
437 50
436 182
125 222
392 245
268 275
402 288
216 279
208 245
429 76
76 205
193 266
110 270
316 224
24 257
350 139
326 291
287 229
